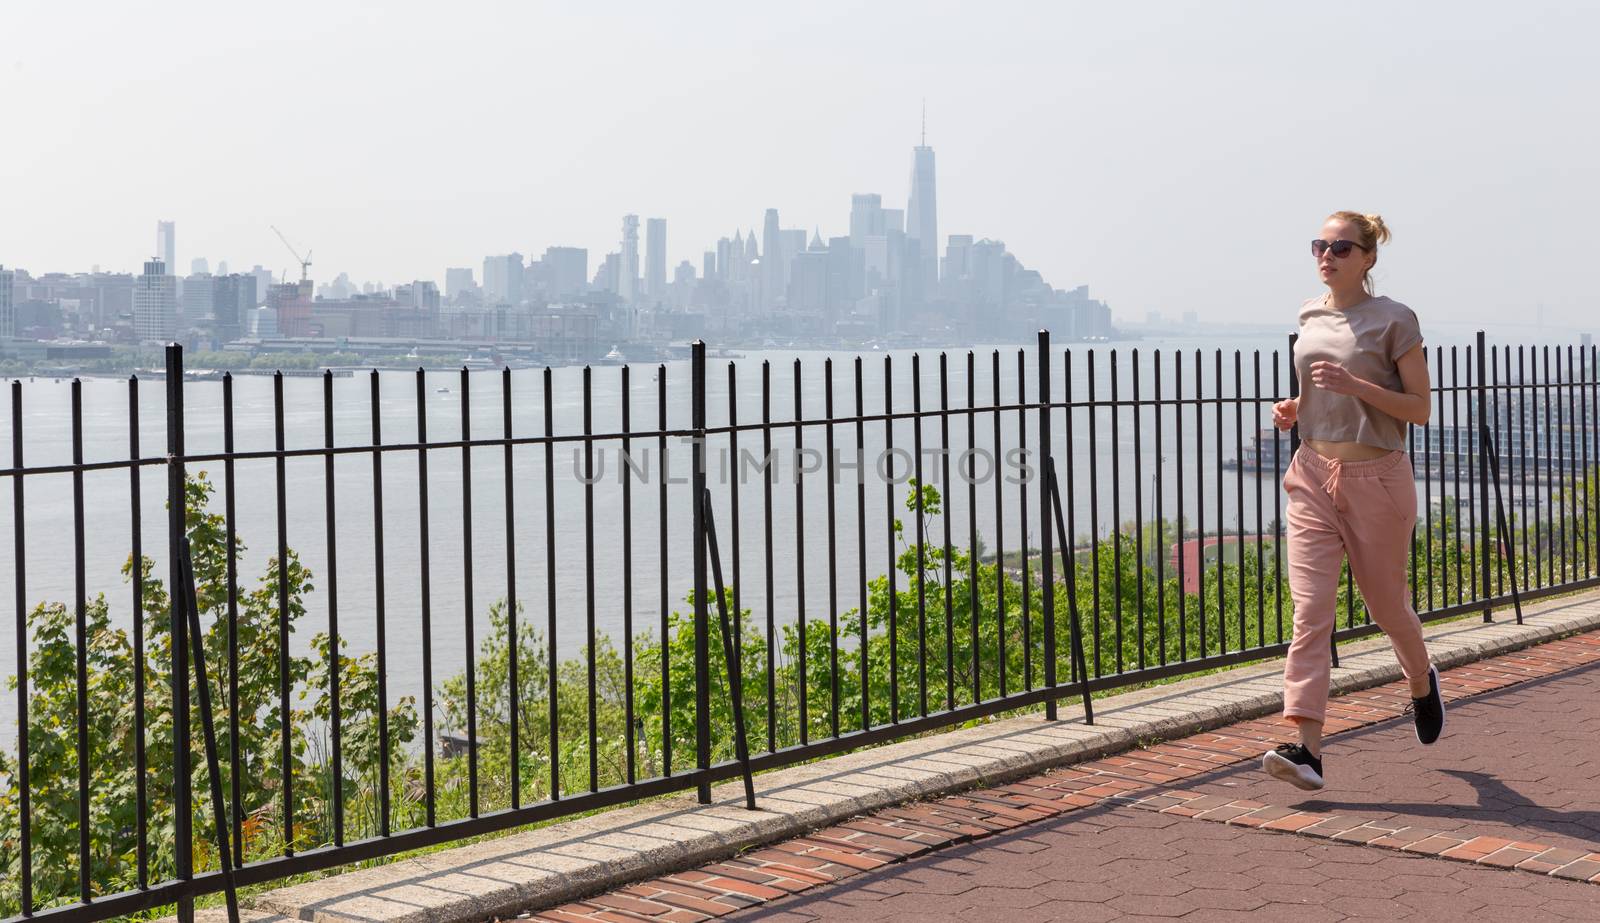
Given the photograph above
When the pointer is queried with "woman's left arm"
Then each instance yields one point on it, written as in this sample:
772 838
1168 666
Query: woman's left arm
1410 404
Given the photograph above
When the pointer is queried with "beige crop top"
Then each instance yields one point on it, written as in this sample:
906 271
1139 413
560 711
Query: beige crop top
1368 339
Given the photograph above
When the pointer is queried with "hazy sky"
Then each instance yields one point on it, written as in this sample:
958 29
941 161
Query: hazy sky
1173 156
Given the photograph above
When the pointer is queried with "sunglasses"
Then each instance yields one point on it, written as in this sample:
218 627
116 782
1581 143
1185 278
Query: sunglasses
1340 248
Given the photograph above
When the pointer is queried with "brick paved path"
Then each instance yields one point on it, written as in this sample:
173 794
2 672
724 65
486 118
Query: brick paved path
1501 815
1521 763
1124 864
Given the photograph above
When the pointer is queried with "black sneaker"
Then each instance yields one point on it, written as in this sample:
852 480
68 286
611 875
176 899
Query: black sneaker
1429 710
1294 764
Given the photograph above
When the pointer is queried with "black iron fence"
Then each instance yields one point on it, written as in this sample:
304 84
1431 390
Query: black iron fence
1123 530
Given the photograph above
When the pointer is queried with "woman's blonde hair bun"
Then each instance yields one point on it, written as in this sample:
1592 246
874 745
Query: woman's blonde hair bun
1376 227
1373 229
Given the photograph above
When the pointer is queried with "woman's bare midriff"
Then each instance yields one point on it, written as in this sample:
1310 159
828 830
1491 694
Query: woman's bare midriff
1347 451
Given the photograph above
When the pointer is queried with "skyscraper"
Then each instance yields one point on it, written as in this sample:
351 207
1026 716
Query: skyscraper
166 244
958 257
655 258
792 243
196 299
683 284
845 269
808 283
627 280
502 279
263 283
922 222
494 279
232 299
735 265
605 275
990 274
424 295
772 265
568 270
514 268
877 261
155 302
866 217
8 318
458 281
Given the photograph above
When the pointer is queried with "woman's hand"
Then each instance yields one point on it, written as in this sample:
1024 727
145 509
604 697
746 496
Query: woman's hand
1284 413
1409 405
1331 376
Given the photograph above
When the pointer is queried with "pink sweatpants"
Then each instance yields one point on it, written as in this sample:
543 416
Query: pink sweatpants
1365 510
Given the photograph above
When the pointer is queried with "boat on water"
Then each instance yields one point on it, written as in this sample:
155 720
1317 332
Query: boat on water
614 357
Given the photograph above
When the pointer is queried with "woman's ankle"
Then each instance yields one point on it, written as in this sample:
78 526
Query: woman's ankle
1310 735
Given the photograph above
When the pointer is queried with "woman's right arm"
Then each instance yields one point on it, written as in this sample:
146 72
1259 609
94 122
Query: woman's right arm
1285 413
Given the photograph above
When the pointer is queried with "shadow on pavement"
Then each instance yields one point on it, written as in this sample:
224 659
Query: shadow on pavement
1495 800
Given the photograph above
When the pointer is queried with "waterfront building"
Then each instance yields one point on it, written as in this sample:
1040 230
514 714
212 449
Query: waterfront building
155 302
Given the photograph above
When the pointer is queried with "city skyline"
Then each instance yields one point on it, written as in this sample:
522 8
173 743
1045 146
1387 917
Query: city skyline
1087 138
637 276
886 281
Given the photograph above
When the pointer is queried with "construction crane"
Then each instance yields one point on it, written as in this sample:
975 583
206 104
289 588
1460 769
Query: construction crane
304 261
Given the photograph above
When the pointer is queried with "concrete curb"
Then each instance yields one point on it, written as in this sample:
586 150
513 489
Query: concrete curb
567 861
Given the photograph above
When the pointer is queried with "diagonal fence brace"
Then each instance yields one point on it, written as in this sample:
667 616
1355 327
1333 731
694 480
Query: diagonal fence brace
735 668
187 599
1081 667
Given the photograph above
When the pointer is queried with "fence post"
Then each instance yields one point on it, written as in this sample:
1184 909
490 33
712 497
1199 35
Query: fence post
1483 475
1294 392
1046 535
177 527
702 622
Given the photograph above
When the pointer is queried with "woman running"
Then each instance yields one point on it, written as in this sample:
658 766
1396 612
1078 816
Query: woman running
1351 491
